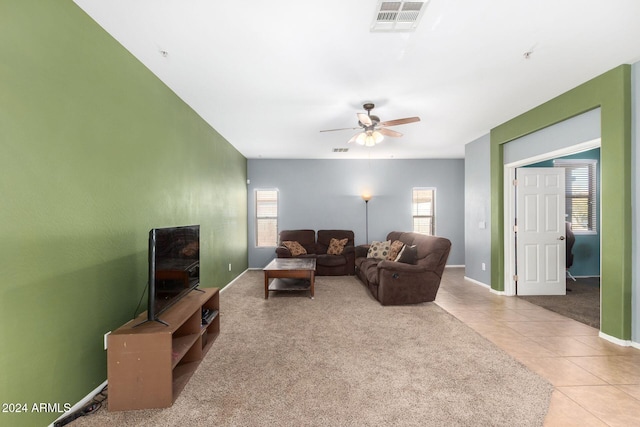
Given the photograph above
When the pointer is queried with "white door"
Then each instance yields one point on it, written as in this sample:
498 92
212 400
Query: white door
540 236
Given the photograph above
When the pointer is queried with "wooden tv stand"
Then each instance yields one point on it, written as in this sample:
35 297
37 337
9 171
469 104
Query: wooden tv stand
149 364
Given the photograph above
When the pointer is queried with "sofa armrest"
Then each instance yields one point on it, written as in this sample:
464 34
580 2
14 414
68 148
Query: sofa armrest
348 250
283 252
361 251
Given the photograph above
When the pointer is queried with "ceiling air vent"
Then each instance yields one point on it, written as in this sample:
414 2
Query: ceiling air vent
398 15
340 150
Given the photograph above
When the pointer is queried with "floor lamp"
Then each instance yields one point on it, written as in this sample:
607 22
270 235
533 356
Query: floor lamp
366 198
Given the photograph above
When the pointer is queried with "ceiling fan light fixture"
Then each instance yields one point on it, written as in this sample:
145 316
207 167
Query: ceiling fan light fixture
369 141
377 136
370 138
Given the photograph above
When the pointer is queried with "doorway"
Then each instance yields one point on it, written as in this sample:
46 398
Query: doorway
611 94
510 203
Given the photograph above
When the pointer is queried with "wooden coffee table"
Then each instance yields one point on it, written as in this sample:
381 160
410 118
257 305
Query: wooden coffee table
290 274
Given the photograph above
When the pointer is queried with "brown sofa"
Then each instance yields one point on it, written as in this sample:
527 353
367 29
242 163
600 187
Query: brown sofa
412 281
326 265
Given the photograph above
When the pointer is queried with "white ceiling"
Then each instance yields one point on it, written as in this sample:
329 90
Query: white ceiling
269 75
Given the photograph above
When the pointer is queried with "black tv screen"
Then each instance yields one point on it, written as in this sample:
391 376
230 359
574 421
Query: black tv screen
174 266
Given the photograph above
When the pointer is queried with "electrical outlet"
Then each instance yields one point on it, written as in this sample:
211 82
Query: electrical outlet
229 266
484 266
105 339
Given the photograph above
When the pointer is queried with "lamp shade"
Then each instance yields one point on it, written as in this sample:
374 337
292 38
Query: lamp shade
368 138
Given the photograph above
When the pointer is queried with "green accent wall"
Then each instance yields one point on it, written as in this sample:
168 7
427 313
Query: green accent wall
96 151
611 92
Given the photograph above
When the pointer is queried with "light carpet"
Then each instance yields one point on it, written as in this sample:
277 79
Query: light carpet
342 359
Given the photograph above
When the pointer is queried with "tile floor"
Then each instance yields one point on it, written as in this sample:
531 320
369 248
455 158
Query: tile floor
597 383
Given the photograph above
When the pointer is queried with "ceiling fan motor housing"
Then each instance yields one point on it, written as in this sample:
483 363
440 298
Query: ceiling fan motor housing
374 119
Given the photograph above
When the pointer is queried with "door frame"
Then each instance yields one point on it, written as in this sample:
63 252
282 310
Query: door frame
510 207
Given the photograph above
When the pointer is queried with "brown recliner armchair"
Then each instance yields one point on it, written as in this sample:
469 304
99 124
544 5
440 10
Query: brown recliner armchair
335 265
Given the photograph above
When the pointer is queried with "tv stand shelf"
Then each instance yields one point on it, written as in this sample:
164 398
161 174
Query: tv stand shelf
148 364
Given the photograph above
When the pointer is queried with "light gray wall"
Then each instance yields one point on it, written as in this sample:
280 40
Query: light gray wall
477 189
576 130
326 194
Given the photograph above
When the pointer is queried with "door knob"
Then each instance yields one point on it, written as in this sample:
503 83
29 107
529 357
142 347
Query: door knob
561 238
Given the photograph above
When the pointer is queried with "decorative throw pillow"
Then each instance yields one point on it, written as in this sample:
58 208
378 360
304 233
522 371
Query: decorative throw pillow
336 246
408 255
379 250
294 247
394 250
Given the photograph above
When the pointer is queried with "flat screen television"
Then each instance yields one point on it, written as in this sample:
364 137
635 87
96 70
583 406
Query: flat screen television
174 266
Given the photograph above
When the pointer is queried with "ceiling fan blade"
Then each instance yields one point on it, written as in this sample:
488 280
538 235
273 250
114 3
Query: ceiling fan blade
354 137
400 121
389 132
364 119
331 130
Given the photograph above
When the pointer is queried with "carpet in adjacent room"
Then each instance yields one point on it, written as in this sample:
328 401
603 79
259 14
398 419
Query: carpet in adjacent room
581 303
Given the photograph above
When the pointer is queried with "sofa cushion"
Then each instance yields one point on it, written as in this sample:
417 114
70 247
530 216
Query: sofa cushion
330 260
336 246
408 255
379 250
394 250
295 248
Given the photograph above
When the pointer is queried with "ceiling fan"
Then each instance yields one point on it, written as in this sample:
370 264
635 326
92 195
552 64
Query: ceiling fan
374 131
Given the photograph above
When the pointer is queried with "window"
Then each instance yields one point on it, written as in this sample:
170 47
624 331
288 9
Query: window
580 184
423 210
266 218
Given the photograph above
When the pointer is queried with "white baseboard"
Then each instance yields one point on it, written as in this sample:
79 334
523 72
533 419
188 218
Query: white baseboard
618 341
477 282
454 266
82 403
233 281
484 285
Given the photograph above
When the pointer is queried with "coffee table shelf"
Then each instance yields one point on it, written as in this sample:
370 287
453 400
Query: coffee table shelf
289 285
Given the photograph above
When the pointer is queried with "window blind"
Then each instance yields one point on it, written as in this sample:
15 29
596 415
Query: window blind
266 218
580 192
423 208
